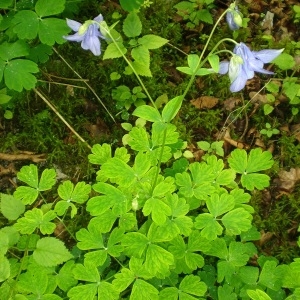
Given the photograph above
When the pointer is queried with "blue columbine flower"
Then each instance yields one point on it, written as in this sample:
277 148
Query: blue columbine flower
234 17
244 63
88 34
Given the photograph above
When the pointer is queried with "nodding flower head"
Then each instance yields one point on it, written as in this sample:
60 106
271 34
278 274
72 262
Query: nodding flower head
244 63
88 34
234 17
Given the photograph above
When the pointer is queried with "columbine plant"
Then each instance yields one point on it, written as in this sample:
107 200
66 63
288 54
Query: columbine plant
151 229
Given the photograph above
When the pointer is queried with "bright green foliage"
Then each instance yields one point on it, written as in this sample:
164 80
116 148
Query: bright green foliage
29 175
157 259
132 26
29 24
37 284
247 166
10 207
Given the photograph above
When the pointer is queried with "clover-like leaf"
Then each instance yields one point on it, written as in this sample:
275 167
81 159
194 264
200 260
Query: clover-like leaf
79 193
46 8
34 219
256 161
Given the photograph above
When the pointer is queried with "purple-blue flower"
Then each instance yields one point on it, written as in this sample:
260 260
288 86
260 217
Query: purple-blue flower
88 34
244 63
234 17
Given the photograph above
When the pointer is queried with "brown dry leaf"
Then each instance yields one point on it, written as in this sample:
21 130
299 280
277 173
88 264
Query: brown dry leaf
288 179
265 237
205 102
231 103
255 97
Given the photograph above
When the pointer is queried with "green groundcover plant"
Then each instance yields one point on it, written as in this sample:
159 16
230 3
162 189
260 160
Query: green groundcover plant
154 225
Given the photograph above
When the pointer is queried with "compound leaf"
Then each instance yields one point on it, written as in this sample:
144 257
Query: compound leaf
79 194
209 225
34 219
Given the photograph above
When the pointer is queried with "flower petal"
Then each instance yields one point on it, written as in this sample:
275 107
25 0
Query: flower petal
74 38
267 55
99 18
224 67
74 25
238 84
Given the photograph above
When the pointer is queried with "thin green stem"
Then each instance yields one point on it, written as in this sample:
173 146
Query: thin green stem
203 52
159 161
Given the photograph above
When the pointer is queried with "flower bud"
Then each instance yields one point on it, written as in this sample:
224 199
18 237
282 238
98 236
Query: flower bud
234 17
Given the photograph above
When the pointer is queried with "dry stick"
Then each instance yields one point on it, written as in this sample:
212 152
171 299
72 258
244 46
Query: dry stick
91 89
61 117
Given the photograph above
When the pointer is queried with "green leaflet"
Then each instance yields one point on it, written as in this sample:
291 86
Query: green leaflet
132 26
64 278
114 51
152 41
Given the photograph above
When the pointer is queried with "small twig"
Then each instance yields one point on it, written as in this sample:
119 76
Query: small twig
61 117
247 121
91 89
59 83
